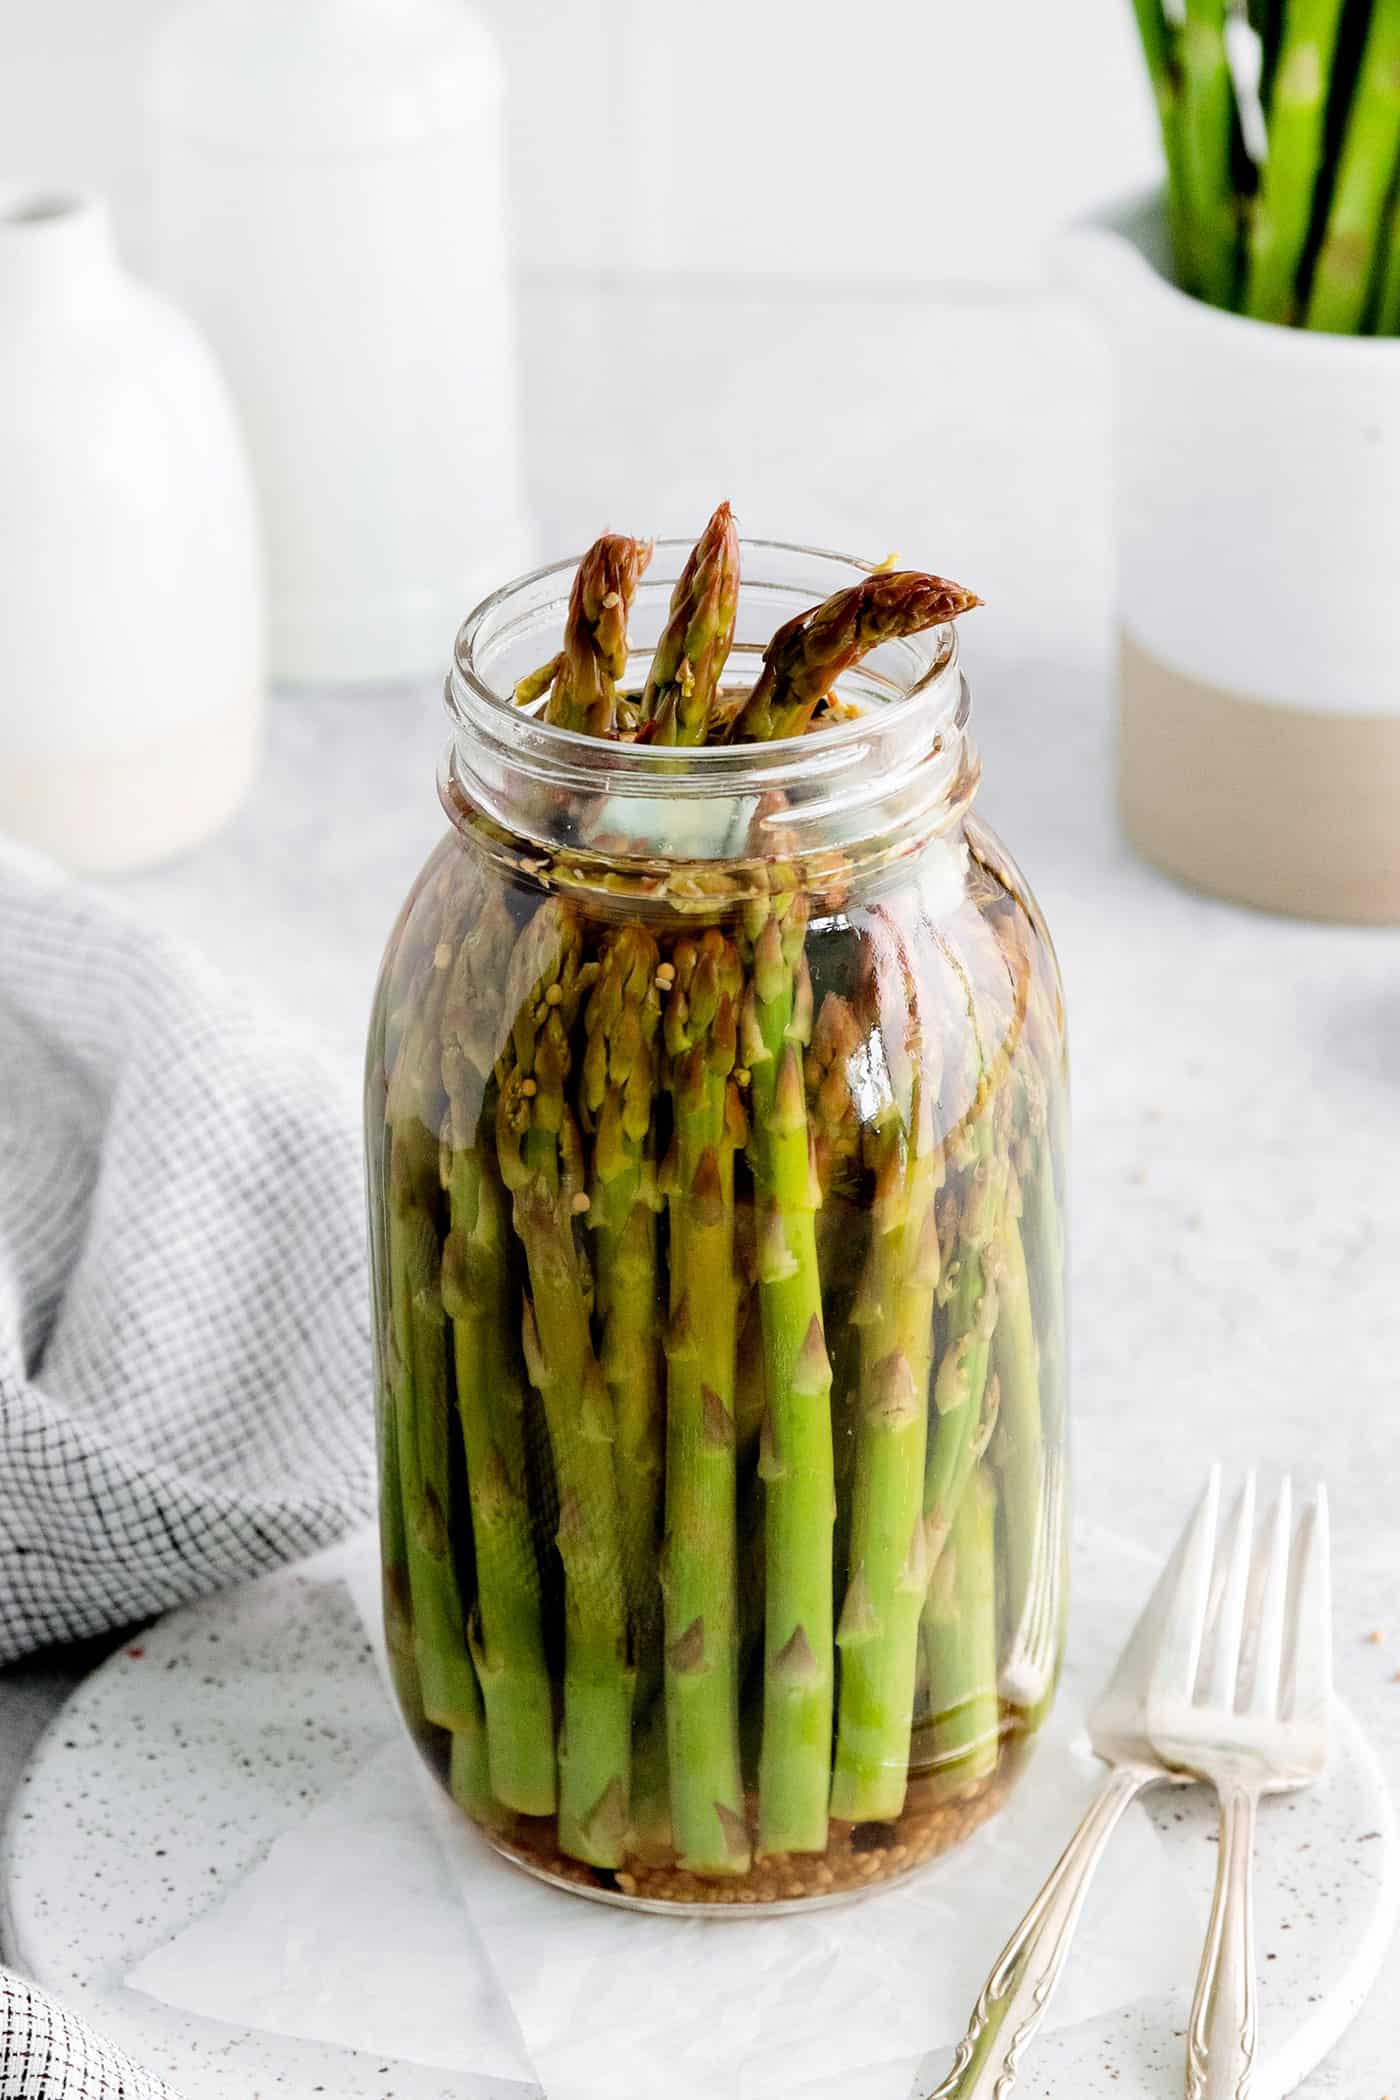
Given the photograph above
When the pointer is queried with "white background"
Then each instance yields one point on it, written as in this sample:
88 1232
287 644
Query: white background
917 141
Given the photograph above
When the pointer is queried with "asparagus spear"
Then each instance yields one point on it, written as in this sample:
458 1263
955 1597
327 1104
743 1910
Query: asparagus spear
617 1097
879 1629
807 656
418 1357
961 1643
796 1460
972 1220
583 677
1266 20
700 1583
540 1150
695 642
1210 212
1019 1445
1159 45
508 1643
1296 113
837 1036
843 1236
1344 274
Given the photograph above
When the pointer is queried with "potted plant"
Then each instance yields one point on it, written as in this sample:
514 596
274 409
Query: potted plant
1254 309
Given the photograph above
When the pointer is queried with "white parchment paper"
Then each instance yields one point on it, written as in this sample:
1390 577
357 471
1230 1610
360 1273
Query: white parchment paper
383 1922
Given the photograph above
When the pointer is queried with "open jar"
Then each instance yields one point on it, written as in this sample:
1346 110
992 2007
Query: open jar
716 1106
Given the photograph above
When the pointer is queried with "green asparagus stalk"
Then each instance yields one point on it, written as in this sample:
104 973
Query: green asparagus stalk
695 642
961 1644
969 1293
1266 19
843 1238
617 1096
1018 1447
583 678
540 1155
796 1461
418 1360
701 1581
1210 219
1281 213
1159 45
1346 269
878 1633
806 657
508 1635
837 1036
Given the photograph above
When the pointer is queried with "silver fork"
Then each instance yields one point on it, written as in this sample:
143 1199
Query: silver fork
1240 1697
1023 1979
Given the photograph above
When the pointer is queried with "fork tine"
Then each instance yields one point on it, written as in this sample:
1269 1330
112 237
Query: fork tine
1220 1659
1179 1650
1308 1665
1269 1604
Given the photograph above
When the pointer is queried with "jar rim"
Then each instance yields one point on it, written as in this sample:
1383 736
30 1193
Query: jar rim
467 689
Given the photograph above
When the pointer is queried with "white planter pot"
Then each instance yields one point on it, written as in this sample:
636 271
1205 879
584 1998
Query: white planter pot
130 595
329 203
1258 500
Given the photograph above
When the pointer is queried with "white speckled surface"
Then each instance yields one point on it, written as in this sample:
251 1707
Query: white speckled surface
176 1765
1237 1079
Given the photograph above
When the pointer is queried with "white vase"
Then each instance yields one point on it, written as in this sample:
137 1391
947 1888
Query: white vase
329 203
130 595
1258 524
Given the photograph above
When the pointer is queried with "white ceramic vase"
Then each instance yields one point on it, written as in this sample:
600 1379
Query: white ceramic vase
1258 523
130 595
329 202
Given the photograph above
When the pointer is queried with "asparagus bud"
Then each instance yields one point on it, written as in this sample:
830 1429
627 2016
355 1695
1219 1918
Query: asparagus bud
691 653
806 657
583 695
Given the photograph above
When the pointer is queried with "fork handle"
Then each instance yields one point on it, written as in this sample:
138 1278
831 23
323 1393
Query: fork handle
1015 1995
1222 2041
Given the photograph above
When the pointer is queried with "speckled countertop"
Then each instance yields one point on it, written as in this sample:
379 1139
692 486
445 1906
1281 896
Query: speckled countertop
1237 1079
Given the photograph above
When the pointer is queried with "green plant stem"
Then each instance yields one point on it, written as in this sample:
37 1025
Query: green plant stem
796 1461
1159 45
540 1154
1345 272
1296 113
1210 221
1388 298
701 1576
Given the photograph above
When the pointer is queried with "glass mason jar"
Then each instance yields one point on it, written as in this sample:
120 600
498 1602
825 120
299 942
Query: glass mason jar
716 1110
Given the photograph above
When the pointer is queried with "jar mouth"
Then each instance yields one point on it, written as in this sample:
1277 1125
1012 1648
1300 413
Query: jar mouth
915 681
900 768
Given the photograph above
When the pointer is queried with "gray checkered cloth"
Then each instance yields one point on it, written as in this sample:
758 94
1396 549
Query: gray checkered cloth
184 1346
